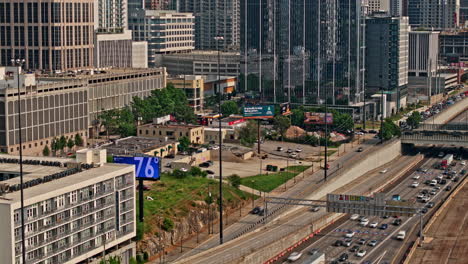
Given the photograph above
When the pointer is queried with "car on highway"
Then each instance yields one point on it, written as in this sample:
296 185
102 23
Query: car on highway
401 235
448 188
315 209
298 150
416 177
289 151
338 243
313 251
364 223
354 249
441 155
396 222
360 149
373 225
354 217
293 155
294 256
383 171
361 253
433 192
362 241
279 148
256 210
463 163
372 243
456 179
415 184
343 257
384 226
350 234
430 204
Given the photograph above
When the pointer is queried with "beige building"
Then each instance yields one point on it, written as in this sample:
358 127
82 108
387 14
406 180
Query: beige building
50 35
71 215
131 146
194 133
193 86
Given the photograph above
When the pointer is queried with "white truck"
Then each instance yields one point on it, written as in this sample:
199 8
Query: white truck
401 235
447 160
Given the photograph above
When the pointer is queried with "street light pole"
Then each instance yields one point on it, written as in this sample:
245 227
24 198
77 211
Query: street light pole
19 63
381 116
219 38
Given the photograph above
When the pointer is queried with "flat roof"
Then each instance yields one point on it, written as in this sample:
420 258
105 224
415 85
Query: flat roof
134 145
171 126
38 171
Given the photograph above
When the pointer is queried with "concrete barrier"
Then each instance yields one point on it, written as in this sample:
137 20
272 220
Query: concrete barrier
449 113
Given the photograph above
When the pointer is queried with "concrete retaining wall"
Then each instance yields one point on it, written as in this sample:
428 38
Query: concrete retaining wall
449 113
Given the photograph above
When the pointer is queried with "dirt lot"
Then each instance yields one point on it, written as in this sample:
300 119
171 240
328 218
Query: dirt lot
449 235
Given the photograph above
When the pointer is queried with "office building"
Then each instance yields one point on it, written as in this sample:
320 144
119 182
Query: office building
423 53
315 50
172 132
201 62
48 111
72 213
387 59
193 87
397 8
454 46
379 6
165 32
434 13
464 13
49 35
161 4
227 84
213 18
110 16
134 146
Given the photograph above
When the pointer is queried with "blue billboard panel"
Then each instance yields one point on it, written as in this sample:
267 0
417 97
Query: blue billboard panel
259 111
147 168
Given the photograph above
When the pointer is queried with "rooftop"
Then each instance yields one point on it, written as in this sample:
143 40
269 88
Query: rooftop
171 126
43 175
134 145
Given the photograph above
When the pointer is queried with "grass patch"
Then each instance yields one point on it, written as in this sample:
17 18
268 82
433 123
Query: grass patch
174 198
268 182
329 152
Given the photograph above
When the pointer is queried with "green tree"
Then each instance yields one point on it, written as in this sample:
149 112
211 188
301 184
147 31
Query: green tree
248 134
46 151
197 172
234 180
62 143
184 143
281 124
70 144
297 117
55 146
78 140
390 130
414 119
167 224
228 108
111 260
179 174
343 121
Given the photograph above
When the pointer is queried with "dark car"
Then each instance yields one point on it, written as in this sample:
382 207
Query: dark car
456 179
354 249
313 251
424 210
256 210
360 149
397 222
384 226
448 188
443 181
204 165
338 243
210 172
362 241
430 204
343 257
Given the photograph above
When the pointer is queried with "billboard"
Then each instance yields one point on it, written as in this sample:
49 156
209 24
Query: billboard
318 118
147 168
285 109
259 112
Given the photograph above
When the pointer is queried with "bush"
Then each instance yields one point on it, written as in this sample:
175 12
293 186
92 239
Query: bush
167 224
234 180
139 259
140 231
197 172
145 256
179 174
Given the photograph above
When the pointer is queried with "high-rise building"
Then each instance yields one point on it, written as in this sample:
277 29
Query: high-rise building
161 4
72 213
50 35
464 13
314 50
454 46
423 53
387 59
379 6
214 18
396 8
165 32
434 13
110 16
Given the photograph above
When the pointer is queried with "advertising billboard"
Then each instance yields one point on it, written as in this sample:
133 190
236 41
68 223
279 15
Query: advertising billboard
147 168
318 118
285 109
259 112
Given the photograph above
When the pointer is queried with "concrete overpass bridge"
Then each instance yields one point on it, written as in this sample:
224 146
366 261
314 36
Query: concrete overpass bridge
437 134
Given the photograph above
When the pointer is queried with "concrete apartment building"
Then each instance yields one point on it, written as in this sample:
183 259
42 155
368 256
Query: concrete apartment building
48 111
193 86
434 13
172 132
56 106
71 213
50 35
165 32
378 6
213 18
387 59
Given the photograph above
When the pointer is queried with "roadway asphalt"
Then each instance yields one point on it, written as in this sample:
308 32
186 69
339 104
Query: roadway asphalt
387 246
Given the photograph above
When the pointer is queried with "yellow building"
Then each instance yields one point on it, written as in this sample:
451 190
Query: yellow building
194 133
193 86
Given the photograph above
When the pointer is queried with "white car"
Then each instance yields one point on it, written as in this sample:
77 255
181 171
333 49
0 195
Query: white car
298 150
184 169
215 147
292 155
384 171
463 163
294 256
415 184
420 196
349 234
416 177
373 225
361 253
359 133
354 217
364 223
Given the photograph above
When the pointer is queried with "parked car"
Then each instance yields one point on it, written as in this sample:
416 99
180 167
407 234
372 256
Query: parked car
294 256
279 149
360 149
343 257
361 253
350 234
210 172
338 243
372 243
373 225
354 249
354 217
384 226
362 241
315 208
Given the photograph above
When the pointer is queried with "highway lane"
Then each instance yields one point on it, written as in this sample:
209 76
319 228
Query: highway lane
300 190
288 224
385 238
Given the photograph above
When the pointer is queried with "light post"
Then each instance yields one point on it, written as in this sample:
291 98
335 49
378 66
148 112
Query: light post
19 63
382 116
219 38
